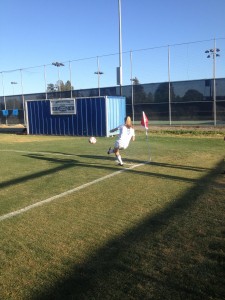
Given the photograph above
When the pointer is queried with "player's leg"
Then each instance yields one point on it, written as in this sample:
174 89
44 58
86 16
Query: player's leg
118 156
111 150
116 145
115 150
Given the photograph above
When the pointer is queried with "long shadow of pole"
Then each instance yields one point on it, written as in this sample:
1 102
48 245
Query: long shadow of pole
116 270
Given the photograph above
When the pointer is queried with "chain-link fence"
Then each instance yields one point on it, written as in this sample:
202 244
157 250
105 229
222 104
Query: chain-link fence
176 93
184 102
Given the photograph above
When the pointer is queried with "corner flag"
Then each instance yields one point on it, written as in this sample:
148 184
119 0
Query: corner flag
144 120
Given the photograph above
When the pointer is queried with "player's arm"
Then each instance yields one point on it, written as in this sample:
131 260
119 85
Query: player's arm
113 130
117 128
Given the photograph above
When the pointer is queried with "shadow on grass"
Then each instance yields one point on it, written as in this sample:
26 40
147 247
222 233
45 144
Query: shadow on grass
58 153
191 168
66 163
62 164
167 256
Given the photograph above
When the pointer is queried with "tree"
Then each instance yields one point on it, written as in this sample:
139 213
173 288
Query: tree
193 95
68 86
51 88
150 97
139 92
59 86
162 92
135 81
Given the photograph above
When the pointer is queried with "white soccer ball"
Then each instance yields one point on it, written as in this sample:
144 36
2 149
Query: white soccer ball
92 140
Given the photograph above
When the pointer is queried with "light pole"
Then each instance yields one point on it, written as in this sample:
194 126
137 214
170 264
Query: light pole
23 99
132 85
71 91
214 53
120 71
3 90
169 91
58 64
99 73
132 97
13 83
46 90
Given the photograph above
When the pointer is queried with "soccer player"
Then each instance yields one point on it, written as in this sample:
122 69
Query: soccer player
126 134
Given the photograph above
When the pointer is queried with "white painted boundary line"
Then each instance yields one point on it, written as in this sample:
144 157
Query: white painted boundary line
40 203
32 152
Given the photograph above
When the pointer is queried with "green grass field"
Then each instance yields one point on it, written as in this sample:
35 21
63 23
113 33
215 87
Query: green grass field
153 231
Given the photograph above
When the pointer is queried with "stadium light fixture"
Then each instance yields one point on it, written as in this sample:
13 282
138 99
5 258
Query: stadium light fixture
58 64
214 54
99 73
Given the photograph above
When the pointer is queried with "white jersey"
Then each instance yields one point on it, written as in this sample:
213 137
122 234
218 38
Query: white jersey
124 137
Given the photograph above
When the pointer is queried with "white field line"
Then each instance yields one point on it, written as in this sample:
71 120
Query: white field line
40 203
49 153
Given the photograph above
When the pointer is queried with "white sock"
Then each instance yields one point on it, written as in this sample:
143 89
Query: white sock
119 159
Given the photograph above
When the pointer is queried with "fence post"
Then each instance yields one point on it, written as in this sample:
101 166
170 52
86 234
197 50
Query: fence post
169 85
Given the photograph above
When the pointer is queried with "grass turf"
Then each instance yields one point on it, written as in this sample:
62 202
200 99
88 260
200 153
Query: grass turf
153 232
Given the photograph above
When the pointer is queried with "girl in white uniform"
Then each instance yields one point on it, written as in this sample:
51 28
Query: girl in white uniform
126 134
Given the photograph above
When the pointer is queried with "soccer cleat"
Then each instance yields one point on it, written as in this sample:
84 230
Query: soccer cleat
109 150
120 164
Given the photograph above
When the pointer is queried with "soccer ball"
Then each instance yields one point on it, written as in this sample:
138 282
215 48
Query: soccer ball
92 140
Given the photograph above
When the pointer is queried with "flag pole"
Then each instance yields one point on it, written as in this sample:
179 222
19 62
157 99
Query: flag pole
144 122
147 140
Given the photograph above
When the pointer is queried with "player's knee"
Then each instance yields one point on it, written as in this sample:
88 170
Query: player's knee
116 151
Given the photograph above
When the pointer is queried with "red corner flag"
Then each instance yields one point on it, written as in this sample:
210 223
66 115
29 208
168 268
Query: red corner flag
144 120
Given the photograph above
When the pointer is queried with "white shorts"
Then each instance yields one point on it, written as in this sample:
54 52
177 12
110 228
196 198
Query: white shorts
120 145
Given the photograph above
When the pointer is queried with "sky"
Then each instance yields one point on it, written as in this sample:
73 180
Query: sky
84 36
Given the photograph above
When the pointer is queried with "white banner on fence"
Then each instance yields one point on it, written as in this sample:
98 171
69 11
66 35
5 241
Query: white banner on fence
64 106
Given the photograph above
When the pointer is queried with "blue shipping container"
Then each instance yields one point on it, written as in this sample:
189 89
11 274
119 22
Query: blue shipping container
93 116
